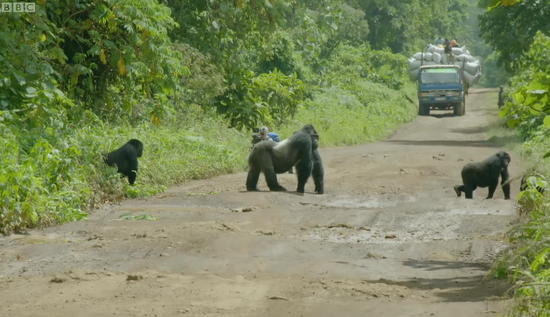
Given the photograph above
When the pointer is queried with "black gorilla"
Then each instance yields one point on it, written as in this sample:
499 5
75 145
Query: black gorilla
486 173
126 159
272 158
523 185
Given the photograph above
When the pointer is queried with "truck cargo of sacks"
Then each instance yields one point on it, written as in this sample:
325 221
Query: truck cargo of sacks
469 67
465 57
414 67
471 79
421 59
456 50
472 71
460 50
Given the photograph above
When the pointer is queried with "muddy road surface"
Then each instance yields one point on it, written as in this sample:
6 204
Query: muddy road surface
388 238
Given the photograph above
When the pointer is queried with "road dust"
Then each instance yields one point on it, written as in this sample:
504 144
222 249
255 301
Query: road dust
389 238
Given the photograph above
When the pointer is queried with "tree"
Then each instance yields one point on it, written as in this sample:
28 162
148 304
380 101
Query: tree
407 26
510 27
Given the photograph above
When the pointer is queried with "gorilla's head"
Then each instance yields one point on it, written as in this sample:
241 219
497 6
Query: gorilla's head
504 158
310 129
138 145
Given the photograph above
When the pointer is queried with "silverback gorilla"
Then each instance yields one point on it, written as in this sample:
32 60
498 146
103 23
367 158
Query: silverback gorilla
126 159
272 158
486 173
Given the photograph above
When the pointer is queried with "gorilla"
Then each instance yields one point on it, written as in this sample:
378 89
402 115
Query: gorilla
486 173
126 159
523 186
272 158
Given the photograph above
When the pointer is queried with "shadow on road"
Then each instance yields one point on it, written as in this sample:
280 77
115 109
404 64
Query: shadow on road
456 289
442 115
471 130
444 265
290 192
482 91
464 143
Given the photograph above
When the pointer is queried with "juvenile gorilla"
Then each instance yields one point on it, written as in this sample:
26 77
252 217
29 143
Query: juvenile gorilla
486 173
126 159
272 158
523 185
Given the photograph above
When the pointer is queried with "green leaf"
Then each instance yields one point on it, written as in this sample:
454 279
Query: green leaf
20 79
31 91
46 69
535 85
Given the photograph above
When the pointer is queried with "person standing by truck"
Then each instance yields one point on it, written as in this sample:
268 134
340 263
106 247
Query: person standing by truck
501 97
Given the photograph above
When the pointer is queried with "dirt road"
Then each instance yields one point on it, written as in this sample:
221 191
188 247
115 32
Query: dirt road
389 238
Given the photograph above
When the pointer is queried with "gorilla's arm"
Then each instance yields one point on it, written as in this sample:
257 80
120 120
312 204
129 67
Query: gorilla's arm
493 167
318 173
504 182
131 156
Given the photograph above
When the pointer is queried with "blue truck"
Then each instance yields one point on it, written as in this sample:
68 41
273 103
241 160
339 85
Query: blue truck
441 87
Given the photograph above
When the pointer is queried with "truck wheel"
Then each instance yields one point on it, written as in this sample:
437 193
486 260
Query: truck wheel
423 110
459 109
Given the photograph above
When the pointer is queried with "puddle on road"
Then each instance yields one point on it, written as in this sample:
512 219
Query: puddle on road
374 201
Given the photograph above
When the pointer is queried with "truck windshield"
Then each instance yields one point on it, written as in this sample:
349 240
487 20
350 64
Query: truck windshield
439 76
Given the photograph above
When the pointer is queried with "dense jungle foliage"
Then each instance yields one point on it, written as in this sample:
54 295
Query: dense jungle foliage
519 30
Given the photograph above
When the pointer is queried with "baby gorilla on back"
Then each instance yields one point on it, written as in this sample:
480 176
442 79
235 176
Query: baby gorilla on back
486 173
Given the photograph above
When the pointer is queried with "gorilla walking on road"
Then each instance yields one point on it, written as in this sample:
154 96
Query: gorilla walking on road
272 158
486 173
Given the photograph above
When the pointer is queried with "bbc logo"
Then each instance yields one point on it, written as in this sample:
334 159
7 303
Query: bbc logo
17 7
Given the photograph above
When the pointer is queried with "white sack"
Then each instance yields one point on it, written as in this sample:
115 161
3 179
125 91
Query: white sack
470 79
431 48
439 50
428 57
477 77
457 51
472 67
417 55
413 74
465 57
444 58
414 63
436 57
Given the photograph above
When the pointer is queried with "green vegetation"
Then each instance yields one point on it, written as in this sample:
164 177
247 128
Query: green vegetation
190 79
526 117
